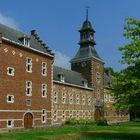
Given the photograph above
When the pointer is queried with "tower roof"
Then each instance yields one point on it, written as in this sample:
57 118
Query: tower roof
86 26
86 53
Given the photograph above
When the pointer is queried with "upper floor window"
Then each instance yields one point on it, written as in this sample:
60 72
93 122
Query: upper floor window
10 71
98 77
10 99
28 88
29 64
89 100
26 41
44 68
63 98
62 79
55 97
44 90
83 100
85 84
77 99
71 98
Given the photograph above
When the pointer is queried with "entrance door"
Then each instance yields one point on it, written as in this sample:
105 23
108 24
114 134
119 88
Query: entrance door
97 114
28 121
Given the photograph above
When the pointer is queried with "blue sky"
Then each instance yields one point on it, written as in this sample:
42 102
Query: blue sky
57 23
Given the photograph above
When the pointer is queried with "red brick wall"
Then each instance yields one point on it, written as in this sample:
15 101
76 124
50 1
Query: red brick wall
12 56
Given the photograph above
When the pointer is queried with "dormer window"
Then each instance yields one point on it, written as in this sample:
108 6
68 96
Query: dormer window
62 78
85 84
25 40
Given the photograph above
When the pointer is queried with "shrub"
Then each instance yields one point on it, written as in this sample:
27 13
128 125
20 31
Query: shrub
73 121
101 122
136 120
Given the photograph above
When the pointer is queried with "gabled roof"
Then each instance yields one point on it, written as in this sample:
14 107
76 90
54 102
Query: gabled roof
71 77
86 53
15 35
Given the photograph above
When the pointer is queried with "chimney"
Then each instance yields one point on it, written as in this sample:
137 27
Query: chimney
33 32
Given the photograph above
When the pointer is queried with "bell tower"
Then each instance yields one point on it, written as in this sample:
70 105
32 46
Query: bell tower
88 62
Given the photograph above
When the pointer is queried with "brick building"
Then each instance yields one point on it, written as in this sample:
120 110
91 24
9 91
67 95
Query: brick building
25 80
34 93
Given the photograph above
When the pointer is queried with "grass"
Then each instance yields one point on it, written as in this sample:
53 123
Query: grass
126 131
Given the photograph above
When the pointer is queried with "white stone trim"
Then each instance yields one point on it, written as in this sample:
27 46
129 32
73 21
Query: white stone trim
72 85
14 42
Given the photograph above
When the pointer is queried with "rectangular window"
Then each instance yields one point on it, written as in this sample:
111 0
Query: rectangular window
83 100
71 114
63 98
44 68
55 115
10 71
89 100
77 99
55 98
71 98
29 65
10 99
44 90
28 102
43 116
63 115
28 88
10 123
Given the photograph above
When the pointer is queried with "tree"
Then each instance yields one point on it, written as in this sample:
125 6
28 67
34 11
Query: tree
126 83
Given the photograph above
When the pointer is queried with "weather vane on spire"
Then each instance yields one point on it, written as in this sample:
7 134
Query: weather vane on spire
87 7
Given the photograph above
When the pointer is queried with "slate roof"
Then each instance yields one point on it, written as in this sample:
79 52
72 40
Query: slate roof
88 52
86 26
71 77
15 35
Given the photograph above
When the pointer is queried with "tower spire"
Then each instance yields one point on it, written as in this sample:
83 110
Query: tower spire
87 7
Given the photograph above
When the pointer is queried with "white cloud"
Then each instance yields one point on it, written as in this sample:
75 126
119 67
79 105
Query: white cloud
61 60
9 21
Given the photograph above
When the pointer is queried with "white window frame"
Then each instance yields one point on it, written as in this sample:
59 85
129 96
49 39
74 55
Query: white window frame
55 97
44 90
63 115
26 42
28 86
63 98
89 100
12 123
62 78
55 115
44 116
12 98
77 99
70 98
44 69
83 100
29 63
12 71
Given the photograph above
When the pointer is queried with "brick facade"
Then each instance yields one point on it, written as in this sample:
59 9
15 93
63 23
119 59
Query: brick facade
15 57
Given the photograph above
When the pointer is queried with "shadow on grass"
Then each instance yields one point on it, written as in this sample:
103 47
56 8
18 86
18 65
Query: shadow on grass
111 135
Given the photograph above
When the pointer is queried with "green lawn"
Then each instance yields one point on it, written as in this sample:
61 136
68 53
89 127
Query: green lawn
130 131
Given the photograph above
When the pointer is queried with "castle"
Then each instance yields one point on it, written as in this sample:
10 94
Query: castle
35 93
